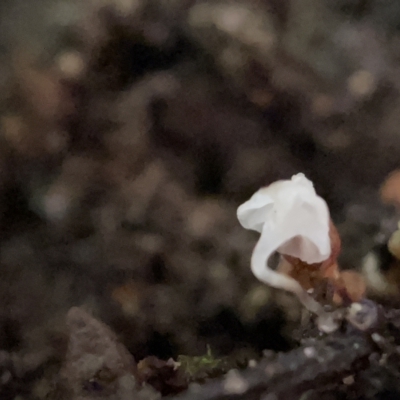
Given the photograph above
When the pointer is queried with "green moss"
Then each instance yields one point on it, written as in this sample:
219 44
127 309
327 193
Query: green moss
199 368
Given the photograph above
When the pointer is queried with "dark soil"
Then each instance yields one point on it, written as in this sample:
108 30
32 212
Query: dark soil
130 131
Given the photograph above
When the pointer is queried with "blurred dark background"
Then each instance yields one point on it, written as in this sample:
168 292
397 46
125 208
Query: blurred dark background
130 131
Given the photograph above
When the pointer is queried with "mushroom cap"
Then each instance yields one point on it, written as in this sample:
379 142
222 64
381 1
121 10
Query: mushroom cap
291 218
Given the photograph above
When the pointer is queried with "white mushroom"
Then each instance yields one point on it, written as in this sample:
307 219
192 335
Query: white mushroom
293 220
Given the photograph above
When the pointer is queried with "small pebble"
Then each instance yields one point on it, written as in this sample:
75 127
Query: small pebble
252 363
309 352
234 383
348 380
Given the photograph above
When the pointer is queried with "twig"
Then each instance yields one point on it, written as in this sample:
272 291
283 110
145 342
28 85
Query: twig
327 361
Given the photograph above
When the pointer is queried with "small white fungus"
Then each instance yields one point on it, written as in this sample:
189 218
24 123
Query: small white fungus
293 220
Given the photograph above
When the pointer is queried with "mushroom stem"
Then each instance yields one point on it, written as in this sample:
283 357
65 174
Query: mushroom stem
260 268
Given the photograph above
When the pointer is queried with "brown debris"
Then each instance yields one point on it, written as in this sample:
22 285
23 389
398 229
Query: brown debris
164 376
390 190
